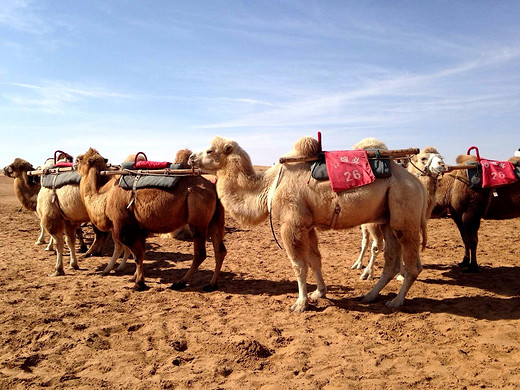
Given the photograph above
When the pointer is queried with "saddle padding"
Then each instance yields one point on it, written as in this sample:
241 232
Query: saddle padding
57 180
168 182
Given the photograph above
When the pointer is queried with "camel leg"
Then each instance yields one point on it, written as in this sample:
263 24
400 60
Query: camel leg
358 264
368 272
41 238
51 245
59 243
126 255
315 263
70 239
391 267
460 225
296 242
378 243
199 255
118 249
216 231
100 239
412 267
138 250
79 235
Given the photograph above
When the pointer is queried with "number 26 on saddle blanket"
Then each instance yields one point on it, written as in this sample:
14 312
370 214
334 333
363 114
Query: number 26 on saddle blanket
493 173
348 169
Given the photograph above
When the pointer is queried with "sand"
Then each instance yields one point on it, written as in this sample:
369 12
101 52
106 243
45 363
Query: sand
86 331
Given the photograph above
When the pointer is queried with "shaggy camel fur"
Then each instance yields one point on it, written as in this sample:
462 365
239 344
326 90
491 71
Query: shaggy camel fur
26 189
62 212
301 206
193 201
427 166
468 206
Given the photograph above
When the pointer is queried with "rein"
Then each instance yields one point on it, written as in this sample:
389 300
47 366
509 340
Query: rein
270 196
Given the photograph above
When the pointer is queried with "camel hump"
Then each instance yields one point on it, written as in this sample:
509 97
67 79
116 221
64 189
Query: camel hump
307 147
370 143
430 149
461 159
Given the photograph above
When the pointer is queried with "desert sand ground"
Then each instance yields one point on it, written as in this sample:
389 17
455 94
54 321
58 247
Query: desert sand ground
86 331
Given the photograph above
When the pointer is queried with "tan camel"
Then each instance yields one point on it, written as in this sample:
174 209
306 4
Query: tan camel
397 202
427 166
193 201
27 188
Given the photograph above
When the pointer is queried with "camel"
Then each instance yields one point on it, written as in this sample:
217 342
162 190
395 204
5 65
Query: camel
302 205
27 188
467 207
427 166
62 212
192 201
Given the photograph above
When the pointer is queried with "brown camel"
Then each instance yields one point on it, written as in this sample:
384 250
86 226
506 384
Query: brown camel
467 207
192 201
397 202
27 188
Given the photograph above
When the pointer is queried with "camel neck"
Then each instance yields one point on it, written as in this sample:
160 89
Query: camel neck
243 193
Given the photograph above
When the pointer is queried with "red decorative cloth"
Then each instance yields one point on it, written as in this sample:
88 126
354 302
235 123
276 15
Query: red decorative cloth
495 173
152 164
348 169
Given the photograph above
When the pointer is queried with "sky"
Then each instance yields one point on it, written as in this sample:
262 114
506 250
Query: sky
124 76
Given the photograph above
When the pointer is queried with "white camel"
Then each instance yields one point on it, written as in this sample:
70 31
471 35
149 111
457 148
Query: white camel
427 166
397 202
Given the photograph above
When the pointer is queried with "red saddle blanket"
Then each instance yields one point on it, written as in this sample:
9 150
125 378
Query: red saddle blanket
348 169
495 173
152 164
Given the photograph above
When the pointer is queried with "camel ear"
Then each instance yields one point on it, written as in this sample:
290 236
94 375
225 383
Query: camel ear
228 148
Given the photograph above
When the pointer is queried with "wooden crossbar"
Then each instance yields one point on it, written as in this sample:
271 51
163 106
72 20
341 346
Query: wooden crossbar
393 153
450 168
39 172
156 172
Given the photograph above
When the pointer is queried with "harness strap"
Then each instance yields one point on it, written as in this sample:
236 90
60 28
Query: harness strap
55 198
134 189
270 196
335 215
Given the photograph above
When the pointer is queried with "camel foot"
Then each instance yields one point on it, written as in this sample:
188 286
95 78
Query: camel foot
299 306
59 272
317 294
357 265
464 263
366 276
40 242
178 286
394 304
73 266
366 299
210 287
472 269
140 286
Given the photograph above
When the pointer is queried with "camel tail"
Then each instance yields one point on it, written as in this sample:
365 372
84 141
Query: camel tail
218 221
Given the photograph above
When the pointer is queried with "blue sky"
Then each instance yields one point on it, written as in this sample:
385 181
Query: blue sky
157 76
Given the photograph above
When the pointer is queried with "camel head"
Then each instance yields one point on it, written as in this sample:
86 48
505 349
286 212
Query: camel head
91 159
428 162
221 153
17 167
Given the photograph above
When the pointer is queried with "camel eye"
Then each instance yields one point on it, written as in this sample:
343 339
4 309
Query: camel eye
209 151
